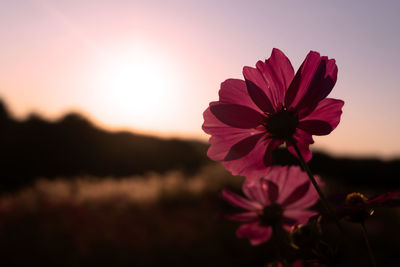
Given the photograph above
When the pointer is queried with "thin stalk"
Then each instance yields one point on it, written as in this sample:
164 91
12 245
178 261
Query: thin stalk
322 197
370 253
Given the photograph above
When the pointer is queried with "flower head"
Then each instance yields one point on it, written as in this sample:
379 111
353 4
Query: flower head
272 106
356 207
279 199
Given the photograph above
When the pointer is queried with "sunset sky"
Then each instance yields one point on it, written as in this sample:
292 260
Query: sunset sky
153 66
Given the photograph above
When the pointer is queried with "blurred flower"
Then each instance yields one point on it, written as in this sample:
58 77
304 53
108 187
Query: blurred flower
356 207
306 235
278 200
270 107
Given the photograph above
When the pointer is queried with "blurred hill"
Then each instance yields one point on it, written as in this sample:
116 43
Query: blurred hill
73 146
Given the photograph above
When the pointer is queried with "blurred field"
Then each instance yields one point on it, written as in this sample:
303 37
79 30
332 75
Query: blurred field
72 194
149 220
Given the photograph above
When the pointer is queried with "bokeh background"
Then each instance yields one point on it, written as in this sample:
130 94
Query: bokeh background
102 157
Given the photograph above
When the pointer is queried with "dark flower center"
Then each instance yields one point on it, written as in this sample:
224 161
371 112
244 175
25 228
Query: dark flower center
357 212
354 199
282 124
271 215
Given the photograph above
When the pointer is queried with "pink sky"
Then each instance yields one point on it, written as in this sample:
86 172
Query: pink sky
154 66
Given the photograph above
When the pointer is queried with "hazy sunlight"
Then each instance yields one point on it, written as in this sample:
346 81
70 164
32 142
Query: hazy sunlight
138 84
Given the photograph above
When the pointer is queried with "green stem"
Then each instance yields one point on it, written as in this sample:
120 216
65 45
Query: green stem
370 253
322 197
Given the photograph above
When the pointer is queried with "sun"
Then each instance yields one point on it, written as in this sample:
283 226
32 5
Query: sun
137 87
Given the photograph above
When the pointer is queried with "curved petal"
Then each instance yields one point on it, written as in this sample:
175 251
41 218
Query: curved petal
244 216
273 144
259 97
221 145
234 91
243 147
299 215
255 232
324 118
303 141
272 192
298 193
254 190
251 165
272 76
288 179
278 72
261 190
214 126
239 201
316 127
309 198
236 116
313 81
381 199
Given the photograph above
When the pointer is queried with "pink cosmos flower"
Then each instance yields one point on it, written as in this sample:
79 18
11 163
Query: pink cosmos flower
270 107
279 199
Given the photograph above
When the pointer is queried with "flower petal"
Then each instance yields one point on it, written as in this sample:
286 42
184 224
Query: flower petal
272 77
255 232
288 179
252 164
273 144
244 216
303 141
254 190
261 190
316 127
308 199
237 116
298 193
381 199
324 118
234 91
259 97
312 82
299 215
240 201
273 190
243 147
278 72
220 145
214 126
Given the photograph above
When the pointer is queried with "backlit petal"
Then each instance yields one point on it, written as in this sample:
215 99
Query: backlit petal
312 82
244 216
240 201
303 141
237 116
243 147
272 77
298 193
256 233
234 91
324 118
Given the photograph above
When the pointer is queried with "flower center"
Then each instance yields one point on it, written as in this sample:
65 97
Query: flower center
281 124
354 199
356 211
271 215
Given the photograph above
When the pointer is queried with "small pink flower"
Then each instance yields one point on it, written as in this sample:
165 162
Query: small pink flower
270 107
279 199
